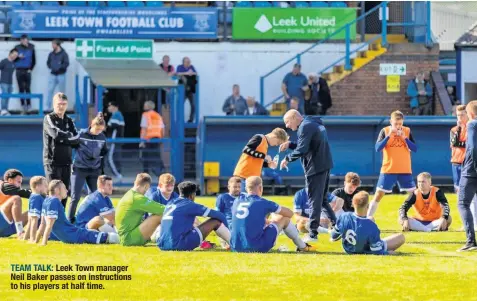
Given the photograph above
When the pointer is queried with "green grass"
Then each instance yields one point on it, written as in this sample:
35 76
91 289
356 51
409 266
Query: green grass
426 268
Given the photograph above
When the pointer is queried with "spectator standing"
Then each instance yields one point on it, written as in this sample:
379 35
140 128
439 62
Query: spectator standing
188 77
7 67
317 96
152 126
295 84
254 108
420 92
24 66
59 133
166 66
88 165
235 104
58 63
450 91
115 128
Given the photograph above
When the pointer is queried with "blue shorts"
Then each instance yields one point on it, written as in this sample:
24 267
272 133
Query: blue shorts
7 228
266 242
187 241
83 236
386 182
456 171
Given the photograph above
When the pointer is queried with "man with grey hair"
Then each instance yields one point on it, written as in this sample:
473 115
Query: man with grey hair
313 150
317 96
152 127
420 92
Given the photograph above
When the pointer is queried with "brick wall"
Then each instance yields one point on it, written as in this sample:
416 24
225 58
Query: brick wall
364 91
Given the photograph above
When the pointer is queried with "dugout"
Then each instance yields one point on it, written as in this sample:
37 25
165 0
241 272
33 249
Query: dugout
466 56
130 83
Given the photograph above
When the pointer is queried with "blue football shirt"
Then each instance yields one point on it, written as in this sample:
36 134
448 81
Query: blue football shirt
301 205
95 204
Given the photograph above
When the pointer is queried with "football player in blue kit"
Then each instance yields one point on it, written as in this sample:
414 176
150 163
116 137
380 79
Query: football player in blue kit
53 220
178 232
225 201
359 234
164 192
39 189
249 212
96 212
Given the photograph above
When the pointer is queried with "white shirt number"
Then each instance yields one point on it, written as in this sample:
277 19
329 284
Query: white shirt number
350 237
242 210
167 214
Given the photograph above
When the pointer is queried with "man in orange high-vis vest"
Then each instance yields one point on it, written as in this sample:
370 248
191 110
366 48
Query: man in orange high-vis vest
152 126
254 155
396 142
458 136
432 211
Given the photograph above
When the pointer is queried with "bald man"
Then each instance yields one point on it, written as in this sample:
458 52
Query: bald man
314 152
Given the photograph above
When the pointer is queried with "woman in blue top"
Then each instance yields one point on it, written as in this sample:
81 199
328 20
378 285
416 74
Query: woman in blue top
87 166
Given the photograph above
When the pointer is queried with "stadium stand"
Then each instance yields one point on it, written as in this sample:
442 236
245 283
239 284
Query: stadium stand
155 3
318 4
116 3
301 4
135 3
262 4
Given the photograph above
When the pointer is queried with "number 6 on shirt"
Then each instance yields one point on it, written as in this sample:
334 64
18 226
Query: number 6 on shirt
242 210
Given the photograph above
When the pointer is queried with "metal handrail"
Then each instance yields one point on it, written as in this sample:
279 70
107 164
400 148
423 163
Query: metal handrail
345 27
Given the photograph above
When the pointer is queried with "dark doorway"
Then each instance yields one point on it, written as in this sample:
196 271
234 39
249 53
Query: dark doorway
373 24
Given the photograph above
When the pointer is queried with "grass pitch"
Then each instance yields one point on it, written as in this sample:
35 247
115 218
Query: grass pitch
427 268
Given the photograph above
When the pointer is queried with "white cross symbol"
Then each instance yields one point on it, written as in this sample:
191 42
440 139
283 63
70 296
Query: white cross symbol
84 48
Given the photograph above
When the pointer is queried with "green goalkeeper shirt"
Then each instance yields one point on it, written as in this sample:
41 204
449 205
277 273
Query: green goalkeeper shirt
131 209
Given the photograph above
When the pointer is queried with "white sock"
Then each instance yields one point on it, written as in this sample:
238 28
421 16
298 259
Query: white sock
107 228
224 233
323 230
418 226
157 233
113 238
372 208
19 227
292 233
473 209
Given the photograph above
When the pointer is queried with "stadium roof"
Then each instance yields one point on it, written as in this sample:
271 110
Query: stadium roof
468 39
126 73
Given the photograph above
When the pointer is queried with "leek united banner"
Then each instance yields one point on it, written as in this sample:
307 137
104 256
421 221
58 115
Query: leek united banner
124 23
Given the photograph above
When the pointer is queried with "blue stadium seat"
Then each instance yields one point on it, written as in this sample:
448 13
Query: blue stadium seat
3 17
282 4
300 4
96 3
338 4
14 3
116 4
262 4
135 4
318 4
76 3
50 3
154 3
243 4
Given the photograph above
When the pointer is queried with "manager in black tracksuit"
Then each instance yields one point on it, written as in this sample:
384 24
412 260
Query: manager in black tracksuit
59 132
88 165
313 150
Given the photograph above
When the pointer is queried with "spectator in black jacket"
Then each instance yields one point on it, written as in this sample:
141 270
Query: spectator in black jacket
7 67
24 65
317 96
313 150
11 196
58 63
87 167
254 108
59 132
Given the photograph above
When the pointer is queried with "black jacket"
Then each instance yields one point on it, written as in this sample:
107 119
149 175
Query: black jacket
257 110
58 137
312 147
58 62
90 150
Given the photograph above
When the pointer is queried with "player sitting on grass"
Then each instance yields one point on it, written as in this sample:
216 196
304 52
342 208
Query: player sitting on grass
249 232
254 155
348 191
39 188
130 210
164 191
359 234
53 220
396 142
11 204
178 232
97 211
431 207
302 210
225 201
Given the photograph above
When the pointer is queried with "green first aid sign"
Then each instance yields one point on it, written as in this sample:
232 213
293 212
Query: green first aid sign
291 23
114 49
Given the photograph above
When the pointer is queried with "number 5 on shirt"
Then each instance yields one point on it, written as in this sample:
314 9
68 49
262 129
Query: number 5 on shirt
242 210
